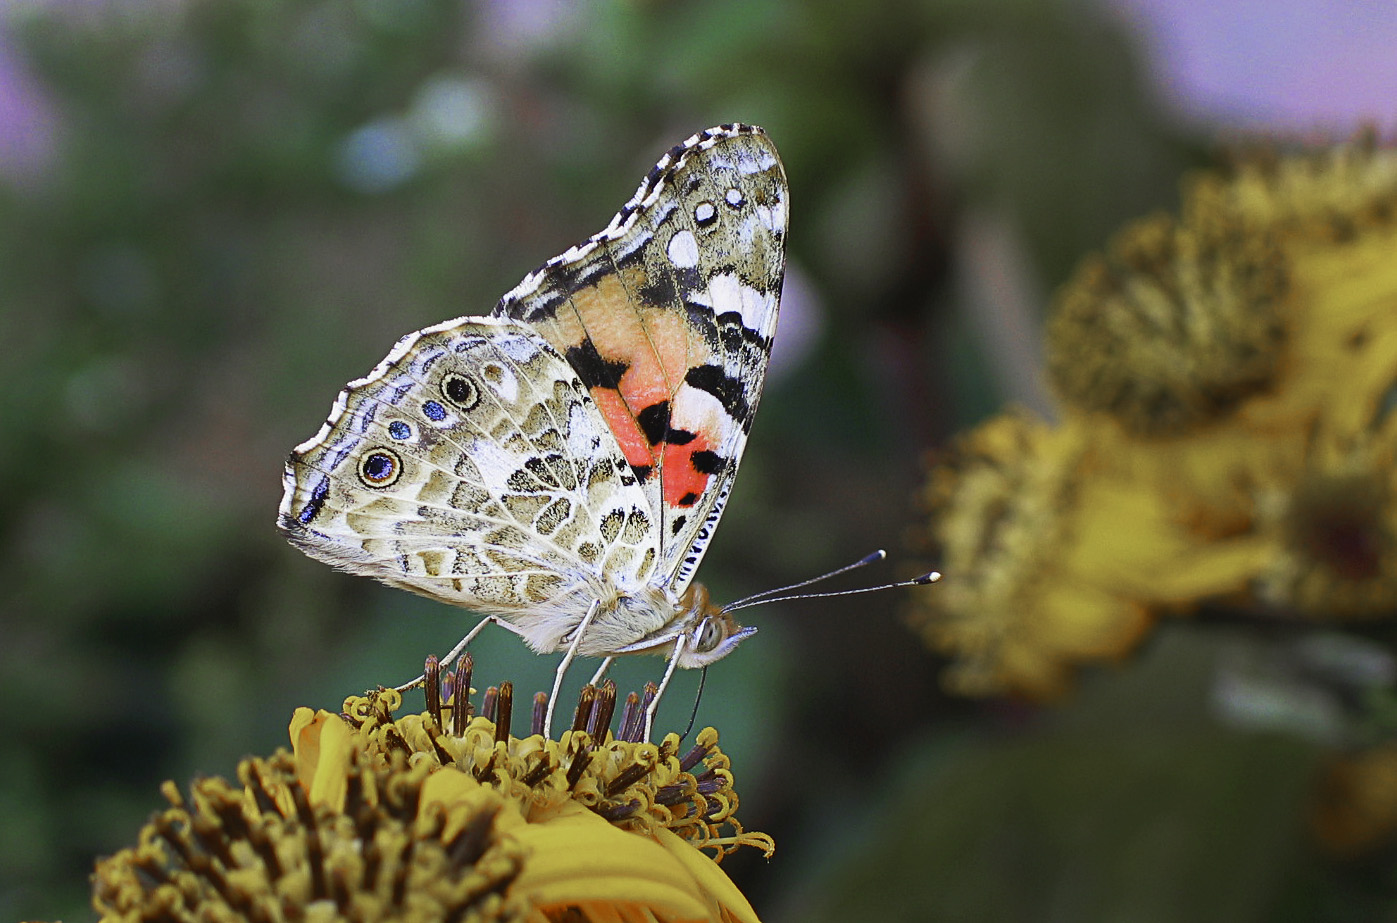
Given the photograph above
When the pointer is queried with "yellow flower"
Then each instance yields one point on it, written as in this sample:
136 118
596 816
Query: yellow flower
1227 380
377 818
1332 194
1334 530
1053 556
1272 300
1175 327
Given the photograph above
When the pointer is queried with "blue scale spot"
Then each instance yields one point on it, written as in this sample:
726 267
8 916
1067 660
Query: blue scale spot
379 467
434 411
399 430
317 501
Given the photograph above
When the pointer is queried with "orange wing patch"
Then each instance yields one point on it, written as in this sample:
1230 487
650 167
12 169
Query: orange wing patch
633 356
624 427
685 482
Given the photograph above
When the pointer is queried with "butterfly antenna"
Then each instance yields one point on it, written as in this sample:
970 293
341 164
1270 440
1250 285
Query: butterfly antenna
698 697
752 600
927 578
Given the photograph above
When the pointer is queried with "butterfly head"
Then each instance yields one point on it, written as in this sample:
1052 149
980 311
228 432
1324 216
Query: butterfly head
713 633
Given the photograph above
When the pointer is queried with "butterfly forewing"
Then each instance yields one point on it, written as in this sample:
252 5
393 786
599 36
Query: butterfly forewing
667 315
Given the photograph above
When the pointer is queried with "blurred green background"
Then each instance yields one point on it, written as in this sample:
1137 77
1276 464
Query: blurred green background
213 214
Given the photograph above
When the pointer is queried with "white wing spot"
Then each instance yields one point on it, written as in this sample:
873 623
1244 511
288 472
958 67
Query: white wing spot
773 218
730 294
503 382
757 161
703 212
734 198
583 441
683 250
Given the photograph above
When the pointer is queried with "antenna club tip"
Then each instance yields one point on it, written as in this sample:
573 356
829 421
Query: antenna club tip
930 576
878 555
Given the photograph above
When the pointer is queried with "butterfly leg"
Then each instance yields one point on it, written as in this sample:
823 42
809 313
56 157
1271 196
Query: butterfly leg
462 645
669 671
566 662
601 670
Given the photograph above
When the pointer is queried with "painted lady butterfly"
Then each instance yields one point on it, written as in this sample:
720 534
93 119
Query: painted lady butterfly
561 464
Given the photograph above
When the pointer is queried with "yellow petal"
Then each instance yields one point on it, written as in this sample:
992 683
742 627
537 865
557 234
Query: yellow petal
330 780
1129 540
715 884
577 857
305 741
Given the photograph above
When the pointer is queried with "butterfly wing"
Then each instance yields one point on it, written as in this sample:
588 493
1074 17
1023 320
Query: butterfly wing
668 316
473 467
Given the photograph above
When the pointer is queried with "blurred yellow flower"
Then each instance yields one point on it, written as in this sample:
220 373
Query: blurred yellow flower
1051 557
1261 301
377 818
1334 530
1226 379
1174 327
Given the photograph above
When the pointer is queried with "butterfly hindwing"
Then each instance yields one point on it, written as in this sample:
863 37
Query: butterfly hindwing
667 316
473 467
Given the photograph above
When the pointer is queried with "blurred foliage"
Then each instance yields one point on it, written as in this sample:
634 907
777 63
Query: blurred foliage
248 202
1091 819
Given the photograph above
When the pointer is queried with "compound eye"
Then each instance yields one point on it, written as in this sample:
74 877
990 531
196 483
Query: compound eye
707 636
380 468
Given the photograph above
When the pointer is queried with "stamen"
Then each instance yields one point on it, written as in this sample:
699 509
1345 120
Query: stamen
540 771
444 756
626 778
580 760
602 710
506 710
635 727
487 705
584 707
693 757
473 840
540 713
394 738
631 716
486 773
617 812
431 678
461 694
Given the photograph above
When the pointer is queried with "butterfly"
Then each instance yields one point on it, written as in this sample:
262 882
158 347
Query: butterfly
560 465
